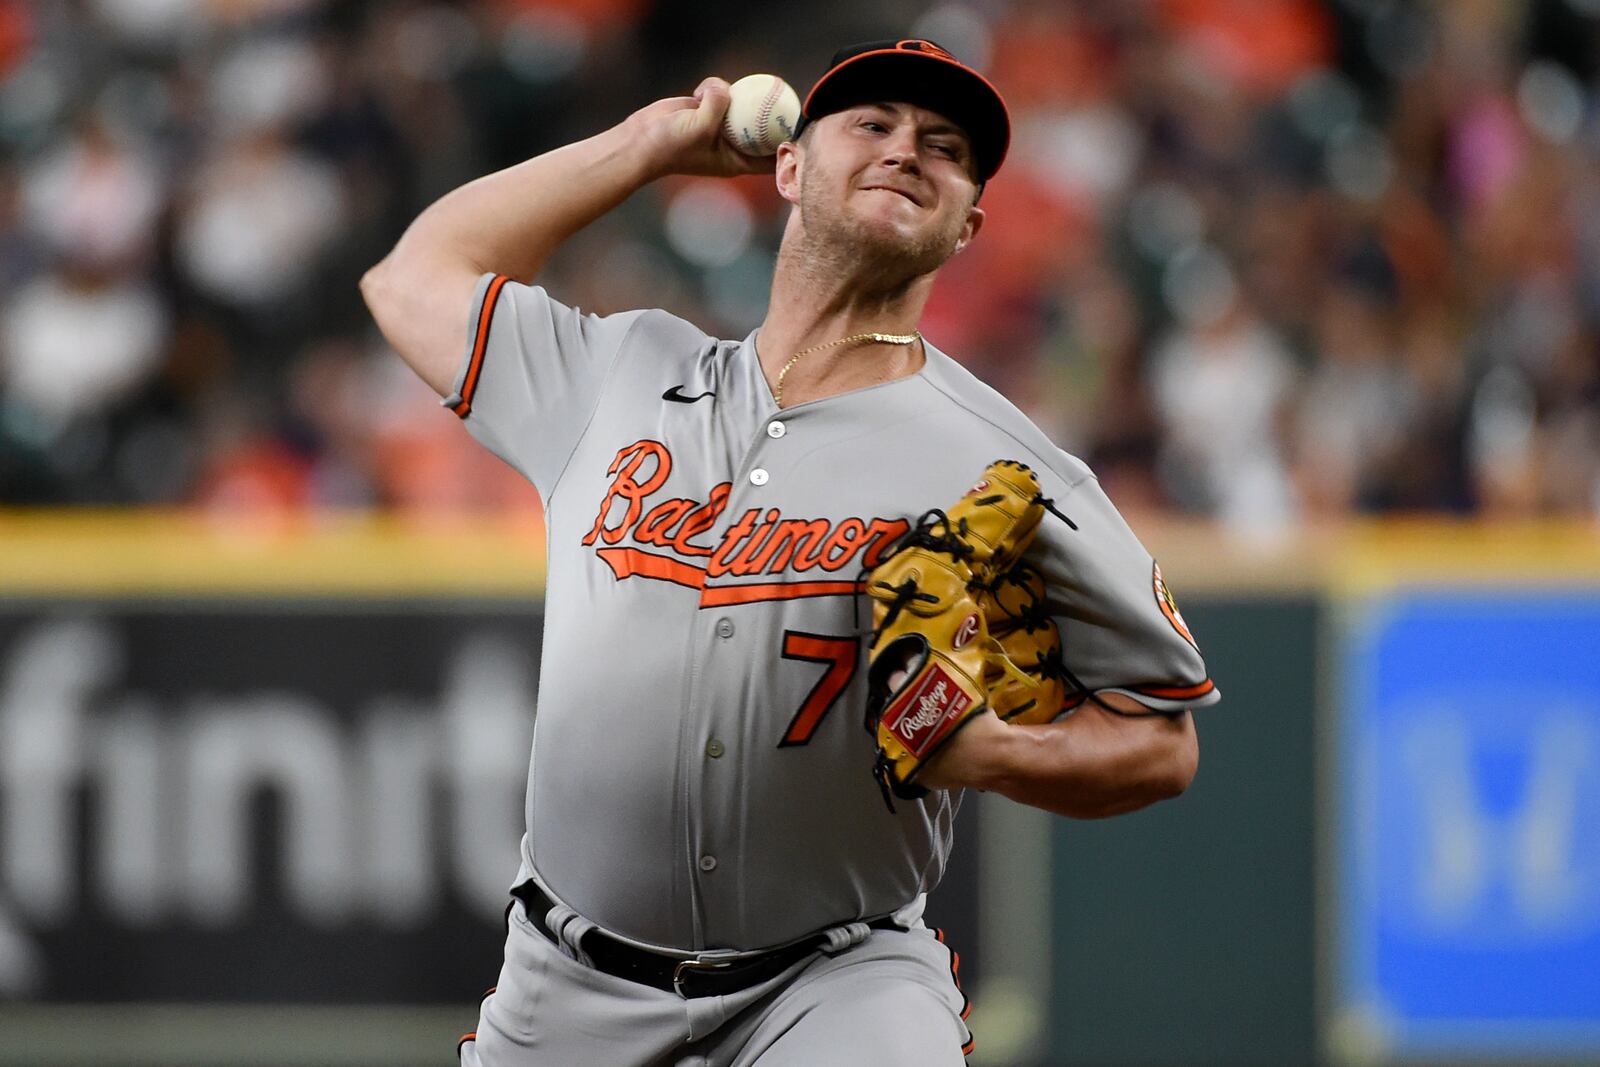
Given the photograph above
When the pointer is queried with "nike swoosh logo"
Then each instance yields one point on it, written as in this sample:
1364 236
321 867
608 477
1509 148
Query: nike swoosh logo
675 394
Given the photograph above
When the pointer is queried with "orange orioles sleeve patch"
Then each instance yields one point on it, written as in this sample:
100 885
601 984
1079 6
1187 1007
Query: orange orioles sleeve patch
1169 605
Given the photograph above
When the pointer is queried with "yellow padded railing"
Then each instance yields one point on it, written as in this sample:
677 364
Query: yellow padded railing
354 553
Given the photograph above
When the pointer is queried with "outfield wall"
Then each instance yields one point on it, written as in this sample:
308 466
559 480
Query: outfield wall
261 785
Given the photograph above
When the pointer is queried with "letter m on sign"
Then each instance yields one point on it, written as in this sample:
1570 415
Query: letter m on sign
1468 916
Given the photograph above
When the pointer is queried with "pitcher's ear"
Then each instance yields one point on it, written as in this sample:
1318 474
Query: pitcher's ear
787 175
975 219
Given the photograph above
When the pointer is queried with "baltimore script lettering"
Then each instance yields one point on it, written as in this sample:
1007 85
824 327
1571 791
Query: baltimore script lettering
760 541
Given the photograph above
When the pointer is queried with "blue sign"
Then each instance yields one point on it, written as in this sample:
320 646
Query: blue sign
1468 898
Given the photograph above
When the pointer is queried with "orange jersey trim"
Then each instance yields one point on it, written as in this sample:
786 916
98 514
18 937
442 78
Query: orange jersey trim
633 562
955 976
628 562
1188 692
721 596
480 345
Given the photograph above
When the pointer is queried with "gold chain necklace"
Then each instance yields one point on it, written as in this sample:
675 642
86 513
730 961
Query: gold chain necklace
880 338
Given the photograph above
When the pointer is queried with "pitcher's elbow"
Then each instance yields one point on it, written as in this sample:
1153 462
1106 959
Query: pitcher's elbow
1182 765
373 285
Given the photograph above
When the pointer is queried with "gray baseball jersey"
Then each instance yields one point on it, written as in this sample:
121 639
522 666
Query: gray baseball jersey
700 775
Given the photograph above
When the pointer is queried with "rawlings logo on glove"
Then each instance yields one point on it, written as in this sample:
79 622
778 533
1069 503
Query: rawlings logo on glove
959 627
938 702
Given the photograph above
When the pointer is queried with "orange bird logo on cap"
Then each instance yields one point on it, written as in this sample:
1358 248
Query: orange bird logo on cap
915 45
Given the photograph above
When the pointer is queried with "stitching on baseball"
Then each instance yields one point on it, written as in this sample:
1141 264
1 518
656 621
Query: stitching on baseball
764 116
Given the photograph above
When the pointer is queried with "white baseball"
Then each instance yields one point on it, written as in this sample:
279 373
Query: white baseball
762 114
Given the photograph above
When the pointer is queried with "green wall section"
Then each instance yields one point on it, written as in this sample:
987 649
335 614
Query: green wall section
1185 934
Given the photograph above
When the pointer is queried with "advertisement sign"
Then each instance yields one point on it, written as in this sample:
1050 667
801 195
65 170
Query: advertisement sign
1468 891
314 802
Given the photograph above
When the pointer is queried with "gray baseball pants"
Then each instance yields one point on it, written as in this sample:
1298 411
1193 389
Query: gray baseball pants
890 1000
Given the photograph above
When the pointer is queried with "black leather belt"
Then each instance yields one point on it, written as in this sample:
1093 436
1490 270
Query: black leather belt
688 976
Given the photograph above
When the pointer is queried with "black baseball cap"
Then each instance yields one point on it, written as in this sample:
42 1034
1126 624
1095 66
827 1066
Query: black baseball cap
922 73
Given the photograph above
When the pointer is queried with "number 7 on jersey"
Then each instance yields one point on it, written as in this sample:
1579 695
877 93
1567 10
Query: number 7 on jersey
839 655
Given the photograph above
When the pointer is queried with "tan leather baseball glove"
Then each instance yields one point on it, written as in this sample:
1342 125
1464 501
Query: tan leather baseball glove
959 627
1014 611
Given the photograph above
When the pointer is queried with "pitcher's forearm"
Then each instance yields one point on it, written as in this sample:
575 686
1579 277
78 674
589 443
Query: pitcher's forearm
1088 765
1092 764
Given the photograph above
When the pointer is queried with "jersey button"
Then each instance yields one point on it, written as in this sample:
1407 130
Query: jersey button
708 863
724 627
758 477
714 749
776 430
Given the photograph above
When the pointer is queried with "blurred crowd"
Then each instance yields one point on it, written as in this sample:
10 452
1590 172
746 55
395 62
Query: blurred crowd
1266 261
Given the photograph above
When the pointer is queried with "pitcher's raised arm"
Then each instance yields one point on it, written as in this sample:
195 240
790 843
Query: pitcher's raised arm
511 221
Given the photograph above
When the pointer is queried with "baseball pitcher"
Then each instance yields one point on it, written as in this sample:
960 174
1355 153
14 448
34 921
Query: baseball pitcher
805 587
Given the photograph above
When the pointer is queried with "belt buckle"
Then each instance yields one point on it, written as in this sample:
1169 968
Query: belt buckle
686 969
